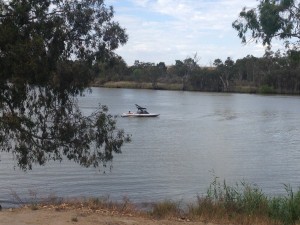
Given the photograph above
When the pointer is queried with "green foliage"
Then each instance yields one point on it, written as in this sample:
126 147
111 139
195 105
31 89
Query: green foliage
275 72
265 89
248 200
271 19
226 72
242 198
147 72
47 51
294 57
111 69
274 19
286 209
206 79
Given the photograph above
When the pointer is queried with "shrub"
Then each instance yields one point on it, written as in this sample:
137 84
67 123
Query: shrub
266 89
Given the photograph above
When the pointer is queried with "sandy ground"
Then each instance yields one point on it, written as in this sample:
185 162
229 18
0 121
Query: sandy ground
52 216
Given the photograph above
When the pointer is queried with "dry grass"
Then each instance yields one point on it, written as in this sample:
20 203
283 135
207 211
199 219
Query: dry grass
166 209
127 84
142 85
241 204
99 205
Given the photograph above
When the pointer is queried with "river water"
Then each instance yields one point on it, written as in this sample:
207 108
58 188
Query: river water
177 155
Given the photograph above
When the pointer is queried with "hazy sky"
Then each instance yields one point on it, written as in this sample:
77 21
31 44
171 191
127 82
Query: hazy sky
167 30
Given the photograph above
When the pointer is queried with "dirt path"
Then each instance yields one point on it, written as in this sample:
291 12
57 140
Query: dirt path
51 216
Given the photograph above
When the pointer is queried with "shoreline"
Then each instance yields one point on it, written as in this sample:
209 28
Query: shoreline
210 210
80 214
239 89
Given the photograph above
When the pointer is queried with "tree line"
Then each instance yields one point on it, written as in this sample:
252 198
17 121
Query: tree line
275 72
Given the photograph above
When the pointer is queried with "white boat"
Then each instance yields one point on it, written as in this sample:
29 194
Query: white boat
141 112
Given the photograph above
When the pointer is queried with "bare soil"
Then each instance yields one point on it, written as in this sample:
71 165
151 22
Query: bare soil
54 216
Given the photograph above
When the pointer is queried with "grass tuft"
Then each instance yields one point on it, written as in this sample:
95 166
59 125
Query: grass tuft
74 219
165 209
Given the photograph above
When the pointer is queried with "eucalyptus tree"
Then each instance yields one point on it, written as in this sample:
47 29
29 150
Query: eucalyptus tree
162 71
248 69
111 69
270 19
226 72
294 65
274 19
184 69
281 71
47 50
206 79
148 72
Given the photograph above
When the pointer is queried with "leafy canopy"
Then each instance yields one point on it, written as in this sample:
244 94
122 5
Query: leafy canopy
271 19
47 50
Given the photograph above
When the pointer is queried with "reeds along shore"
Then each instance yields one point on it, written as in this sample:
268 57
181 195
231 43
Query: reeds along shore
242 204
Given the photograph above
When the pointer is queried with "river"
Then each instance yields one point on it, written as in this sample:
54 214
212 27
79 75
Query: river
176 156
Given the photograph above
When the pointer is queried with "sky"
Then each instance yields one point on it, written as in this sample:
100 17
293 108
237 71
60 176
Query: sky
169 30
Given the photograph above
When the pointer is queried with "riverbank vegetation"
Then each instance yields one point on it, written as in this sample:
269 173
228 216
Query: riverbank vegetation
275 72
242 203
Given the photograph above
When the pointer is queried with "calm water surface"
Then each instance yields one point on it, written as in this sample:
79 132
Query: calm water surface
176 156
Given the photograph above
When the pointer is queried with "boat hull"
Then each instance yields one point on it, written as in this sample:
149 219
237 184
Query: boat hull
139 115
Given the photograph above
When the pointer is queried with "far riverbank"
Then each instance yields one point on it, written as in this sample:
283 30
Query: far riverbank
137 85
243 89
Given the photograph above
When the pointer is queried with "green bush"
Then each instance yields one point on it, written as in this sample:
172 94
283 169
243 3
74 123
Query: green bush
266 89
